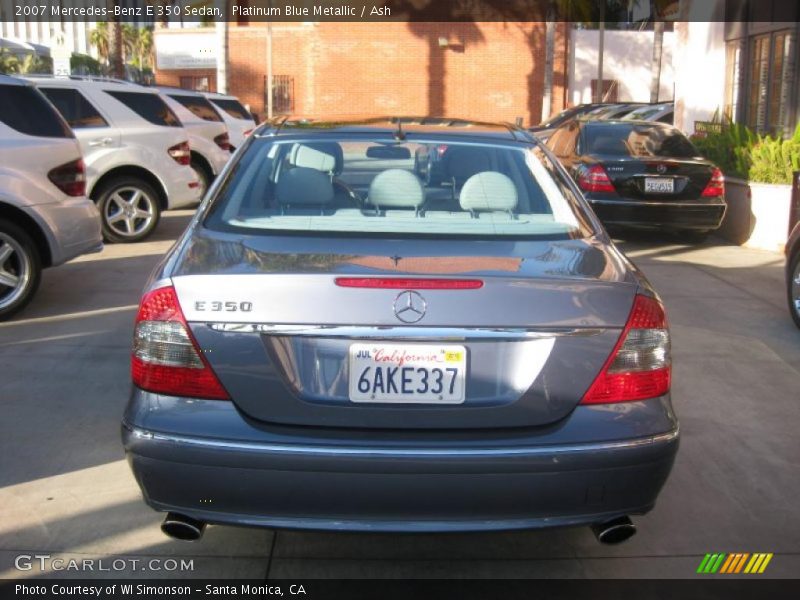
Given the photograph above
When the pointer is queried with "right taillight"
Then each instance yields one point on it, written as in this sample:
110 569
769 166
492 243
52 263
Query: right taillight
716 185
595 179
166 358
181 153
223 140
70 178
639 367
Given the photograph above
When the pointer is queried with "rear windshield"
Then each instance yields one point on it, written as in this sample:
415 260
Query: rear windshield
234 109
24 109
638 140
148 106
379 186
199 106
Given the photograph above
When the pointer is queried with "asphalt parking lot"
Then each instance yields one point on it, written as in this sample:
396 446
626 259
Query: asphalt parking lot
66 491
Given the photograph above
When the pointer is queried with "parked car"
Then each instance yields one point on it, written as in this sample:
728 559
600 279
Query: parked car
614 111
45 217
793 273
362 352
209 139
663 113
136 152
642 174
239 120
546 128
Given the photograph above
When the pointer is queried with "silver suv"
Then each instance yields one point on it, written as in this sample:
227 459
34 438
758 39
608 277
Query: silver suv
45 217
136 152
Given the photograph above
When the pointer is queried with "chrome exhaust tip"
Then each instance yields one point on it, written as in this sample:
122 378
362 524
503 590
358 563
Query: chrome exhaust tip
181 527
614 531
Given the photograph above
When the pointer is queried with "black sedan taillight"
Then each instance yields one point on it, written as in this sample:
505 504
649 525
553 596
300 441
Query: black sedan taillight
70 178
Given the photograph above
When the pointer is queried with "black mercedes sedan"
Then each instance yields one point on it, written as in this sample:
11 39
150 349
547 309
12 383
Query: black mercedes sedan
642 174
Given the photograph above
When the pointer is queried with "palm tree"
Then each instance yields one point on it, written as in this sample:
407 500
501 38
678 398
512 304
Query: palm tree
115 60
99 39
658 47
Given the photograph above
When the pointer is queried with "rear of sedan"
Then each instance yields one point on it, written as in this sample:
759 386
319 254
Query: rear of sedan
334 345
643 174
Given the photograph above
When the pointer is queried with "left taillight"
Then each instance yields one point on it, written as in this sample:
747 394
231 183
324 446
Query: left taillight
70 178
595 179
639 367
716 185
223 140
181 153
166 358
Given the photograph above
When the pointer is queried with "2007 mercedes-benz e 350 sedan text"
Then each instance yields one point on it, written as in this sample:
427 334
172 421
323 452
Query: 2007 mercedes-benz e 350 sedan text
333 345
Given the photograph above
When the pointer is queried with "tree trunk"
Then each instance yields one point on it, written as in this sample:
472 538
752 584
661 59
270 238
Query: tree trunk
549 52
658 46
222 48
115 63
602 33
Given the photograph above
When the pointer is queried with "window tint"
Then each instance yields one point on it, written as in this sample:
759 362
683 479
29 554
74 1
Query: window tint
638 140
371 187
76 109
200 107
24 109
233 108
148 106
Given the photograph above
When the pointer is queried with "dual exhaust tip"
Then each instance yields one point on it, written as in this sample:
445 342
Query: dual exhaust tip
181 527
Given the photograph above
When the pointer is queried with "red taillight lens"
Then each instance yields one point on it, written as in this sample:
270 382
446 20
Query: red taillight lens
716 185
441 149
70 178
595 179
409 284
181 153
166 359
223 140
639 367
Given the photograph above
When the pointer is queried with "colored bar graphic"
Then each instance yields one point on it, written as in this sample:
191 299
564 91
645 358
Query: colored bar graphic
734 563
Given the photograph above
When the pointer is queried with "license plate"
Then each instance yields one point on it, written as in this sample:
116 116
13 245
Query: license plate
407 373
659 185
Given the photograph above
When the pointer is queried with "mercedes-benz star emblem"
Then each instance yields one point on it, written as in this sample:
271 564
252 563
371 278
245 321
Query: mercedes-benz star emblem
409 306
661 168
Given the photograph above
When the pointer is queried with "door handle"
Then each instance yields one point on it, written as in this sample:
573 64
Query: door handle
106 141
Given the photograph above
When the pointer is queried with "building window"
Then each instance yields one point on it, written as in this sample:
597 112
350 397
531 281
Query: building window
770 81
198 84
733 80
282 94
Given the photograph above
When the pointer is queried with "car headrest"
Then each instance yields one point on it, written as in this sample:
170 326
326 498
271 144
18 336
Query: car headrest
303 186
311 158
396 188
489 191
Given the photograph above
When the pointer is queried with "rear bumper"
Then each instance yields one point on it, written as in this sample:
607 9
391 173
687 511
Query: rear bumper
72 228
177 182
677 214
287 482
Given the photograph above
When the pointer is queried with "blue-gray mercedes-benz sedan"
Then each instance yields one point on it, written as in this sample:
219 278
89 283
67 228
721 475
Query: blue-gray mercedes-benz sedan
334 344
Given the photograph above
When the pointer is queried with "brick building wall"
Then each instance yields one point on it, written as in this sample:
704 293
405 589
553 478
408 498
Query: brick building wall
490 71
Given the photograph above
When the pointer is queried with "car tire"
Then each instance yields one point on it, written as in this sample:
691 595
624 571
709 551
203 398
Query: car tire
793 295
129 209
20 269
203 175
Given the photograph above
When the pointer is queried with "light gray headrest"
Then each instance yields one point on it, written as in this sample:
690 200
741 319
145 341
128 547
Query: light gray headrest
396 188
488 191
304 186
303 156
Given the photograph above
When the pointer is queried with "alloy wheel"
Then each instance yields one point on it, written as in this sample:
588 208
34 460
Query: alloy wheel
15 270
129 211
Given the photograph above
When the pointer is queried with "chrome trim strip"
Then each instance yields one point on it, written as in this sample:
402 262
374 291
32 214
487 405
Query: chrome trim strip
288 449
677 203
404 333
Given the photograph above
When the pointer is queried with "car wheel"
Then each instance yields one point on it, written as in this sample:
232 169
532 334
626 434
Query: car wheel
20 269
793 287
203 176
129 210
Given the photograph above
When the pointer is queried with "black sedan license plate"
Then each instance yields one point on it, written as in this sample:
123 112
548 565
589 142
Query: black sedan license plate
407 373
659 185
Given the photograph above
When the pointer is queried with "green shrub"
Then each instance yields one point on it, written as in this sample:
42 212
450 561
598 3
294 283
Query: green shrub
774 159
